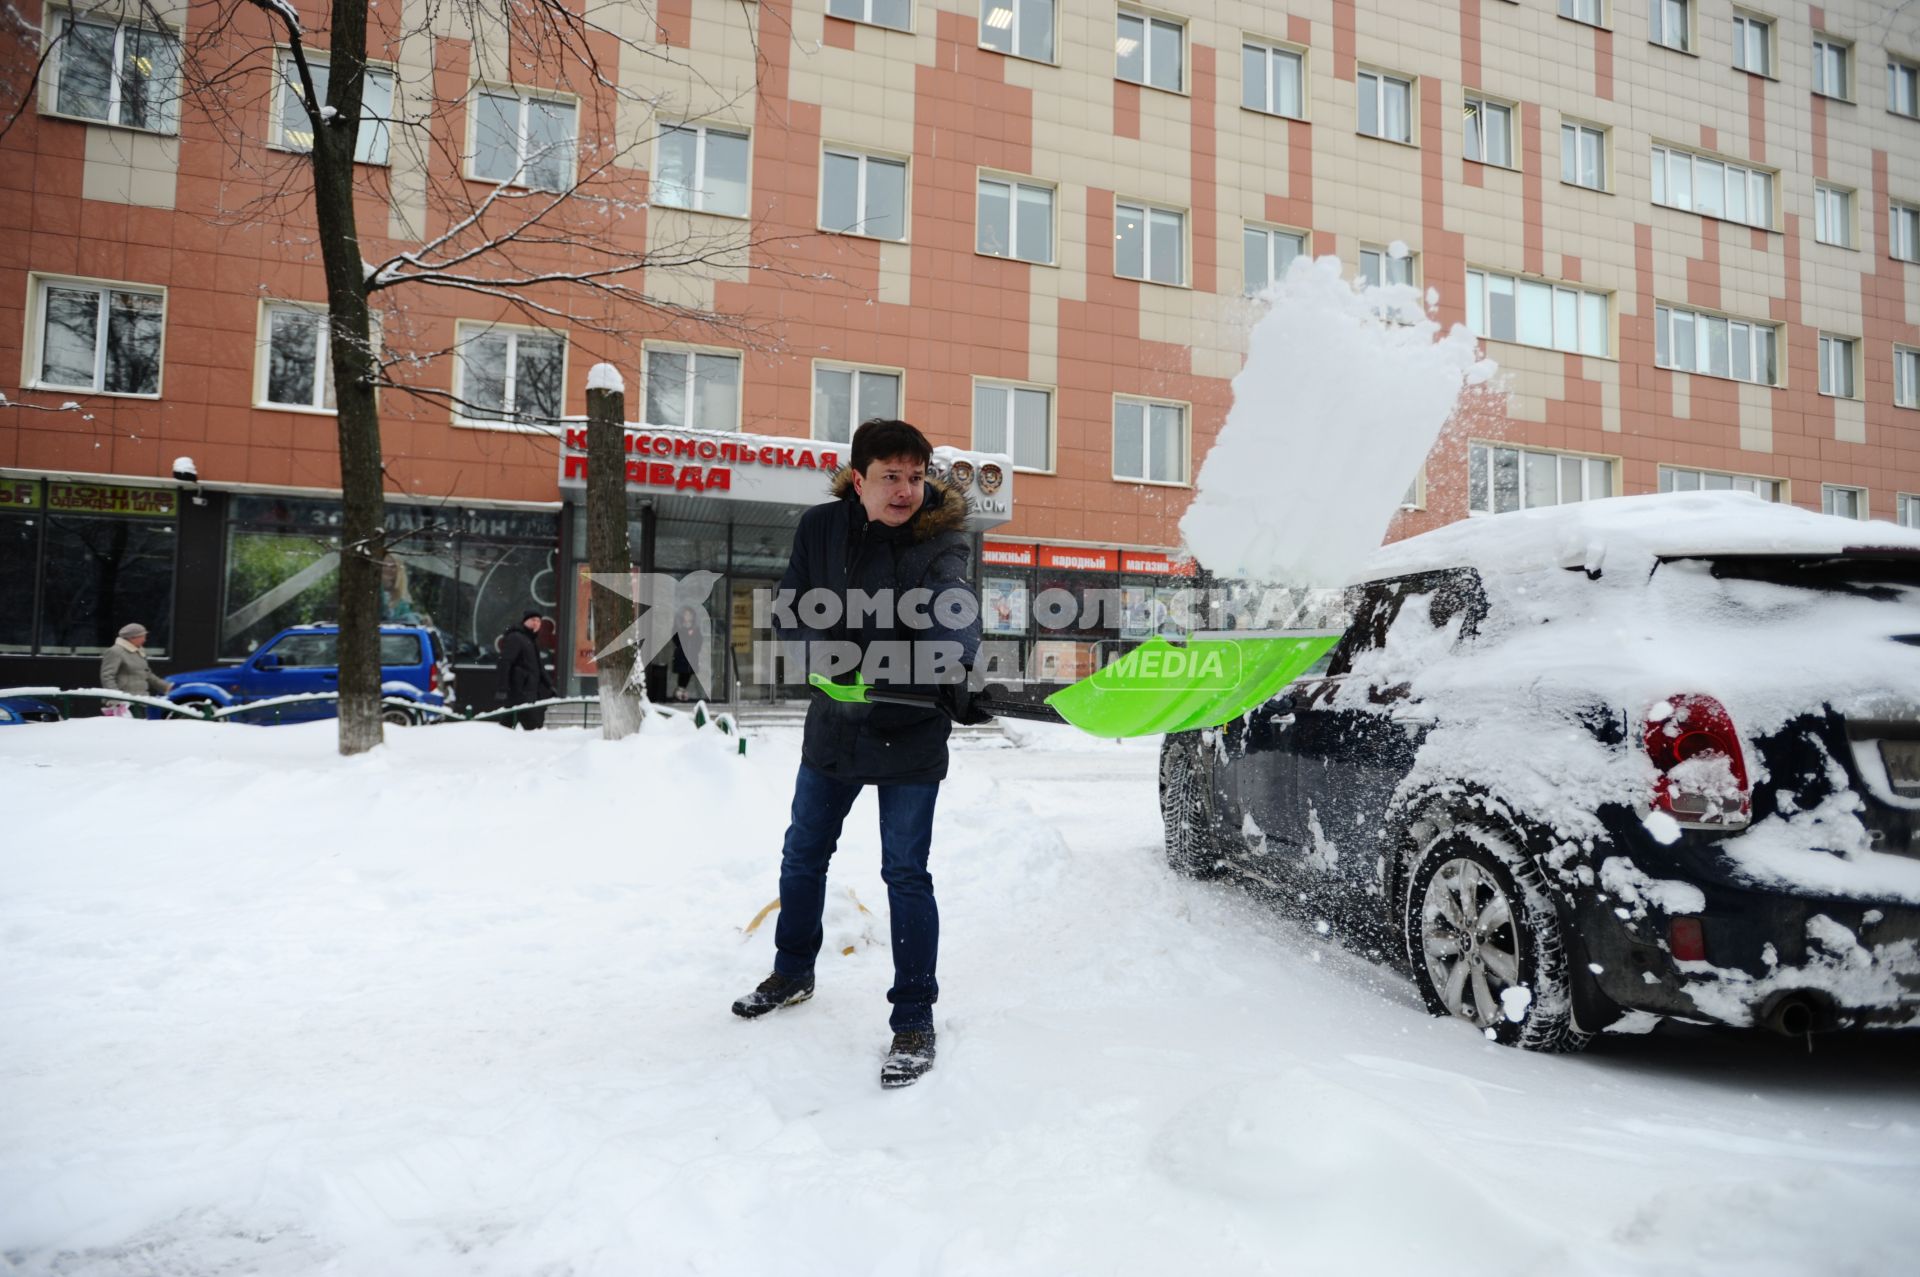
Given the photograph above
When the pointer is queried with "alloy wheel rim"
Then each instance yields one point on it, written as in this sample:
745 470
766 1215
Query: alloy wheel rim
1468 941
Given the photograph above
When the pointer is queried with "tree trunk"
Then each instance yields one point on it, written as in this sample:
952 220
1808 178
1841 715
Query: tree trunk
622 694
350 341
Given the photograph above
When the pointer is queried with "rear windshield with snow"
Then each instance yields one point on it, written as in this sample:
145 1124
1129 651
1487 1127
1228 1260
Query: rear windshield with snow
1784 587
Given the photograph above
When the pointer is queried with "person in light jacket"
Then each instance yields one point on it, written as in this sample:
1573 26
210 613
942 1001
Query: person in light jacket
123 668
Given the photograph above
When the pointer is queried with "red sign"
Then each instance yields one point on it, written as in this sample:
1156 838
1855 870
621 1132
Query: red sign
1077 558
1005 554
1148 563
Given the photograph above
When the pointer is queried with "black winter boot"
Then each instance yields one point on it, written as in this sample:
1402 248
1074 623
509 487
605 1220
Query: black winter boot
910 1057
775 991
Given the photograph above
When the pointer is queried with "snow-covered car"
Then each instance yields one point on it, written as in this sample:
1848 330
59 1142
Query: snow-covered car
1592 766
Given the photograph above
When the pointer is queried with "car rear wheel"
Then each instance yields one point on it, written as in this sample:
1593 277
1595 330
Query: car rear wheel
1485 943
1187 806
397 716
203 705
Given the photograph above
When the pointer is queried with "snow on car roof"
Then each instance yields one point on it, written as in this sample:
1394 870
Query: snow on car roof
1619 530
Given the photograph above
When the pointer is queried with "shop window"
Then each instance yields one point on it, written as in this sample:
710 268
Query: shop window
845 397
1502 479
116 73
897 14
1267 252
102 338
293 131
20 523
1003 605
97 574
697 389
1016 420
1149 441
863 195
1023 28
1150 51
1149 244
523 140
1015 220
509 374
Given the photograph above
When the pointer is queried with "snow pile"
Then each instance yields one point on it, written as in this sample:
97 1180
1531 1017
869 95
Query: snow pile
606 377
1343 395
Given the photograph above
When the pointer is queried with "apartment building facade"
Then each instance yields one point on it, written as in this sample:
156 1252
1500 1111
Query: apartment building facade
1688 231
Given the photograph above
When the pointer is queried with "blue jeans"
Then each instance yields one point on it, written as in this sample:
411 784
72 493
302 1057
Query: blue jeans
820 806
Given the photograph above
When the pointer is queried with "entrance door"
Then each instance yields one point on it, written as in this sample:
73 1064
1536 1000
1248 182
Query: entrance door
749 686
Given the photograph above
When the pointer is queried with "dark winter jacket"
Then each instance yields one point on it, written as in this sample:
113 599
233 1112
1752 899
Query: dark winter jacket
837 548
522 677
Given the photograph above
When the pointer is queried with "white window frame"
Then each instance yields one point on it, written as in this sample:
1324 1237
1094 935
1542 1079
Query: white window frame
1270 51
866 14
1830 491
1848 72
1669 481
1016 24
1571 11
698 184
1825 196
1839 355
1906 510
1149 19
378 126
1014 185
1662 157
1490 448
524 97
465 415
853 397
1482 285
1381 78
323 355
1148 403
1474 112
693 355
1669 321
1660 24
1581 130
1906 377
1381 256
1053 401
1903 231
1897 69
1271 233
1146 209
33 354
55 20
1744 21
865 159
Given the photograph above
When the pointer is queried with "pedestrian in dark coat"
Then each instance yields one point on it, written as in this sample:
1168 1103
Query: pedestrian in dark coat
890 532
522 677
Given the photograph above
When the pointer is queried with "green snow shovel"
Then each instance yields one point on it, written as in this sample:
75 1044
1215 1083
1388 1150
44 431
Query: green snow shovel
1158 687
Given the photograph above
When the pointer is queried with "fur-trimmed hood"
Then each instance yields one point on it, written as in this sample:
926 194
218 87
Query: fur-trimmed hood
943 511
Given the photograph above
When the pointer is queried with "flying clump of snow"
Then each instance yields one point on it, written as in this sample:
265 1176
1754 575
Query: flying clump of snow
1344 393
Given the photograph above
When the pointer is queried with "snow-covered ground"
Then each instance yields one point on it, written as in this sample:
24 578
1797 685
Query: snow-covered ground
461 1007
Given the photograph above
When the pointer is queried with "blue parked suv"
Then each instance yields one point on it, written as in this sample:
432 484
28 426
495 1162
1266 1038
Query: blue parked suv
306 659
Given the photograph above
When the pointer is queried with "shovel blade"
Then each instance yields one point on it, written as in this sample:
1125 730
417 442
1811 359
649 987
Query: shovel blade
1162 687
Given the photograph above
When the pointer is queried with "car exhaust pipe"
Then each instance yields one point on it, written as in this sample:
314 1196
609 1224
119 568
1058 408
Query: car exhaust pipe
1797 1014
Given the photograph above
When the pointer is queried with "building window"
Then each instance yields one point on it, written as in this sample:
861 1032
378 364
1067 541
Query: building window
1675 479
1752 44
295 130
1843 502
1150 51
1832 215
1268 253
510 374
1712 188
1903 88
1023 28
1386 106
1716 345
1904 235
1015 220
1016 420
1536 313
1590 12
897 14
1832 74
1273 79
703 169
522 140
1489 132
299 364
863 195
1836 366
1149 244
844 397
1149 441
1583 156
693 389
1670 22
1391 265
1906 377
1502 479
117 73
1907 510
99 337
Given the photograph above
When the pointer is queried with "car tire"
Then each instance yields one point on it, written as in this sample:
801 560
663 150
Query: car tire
1479 924
1187 807
397 716
202 705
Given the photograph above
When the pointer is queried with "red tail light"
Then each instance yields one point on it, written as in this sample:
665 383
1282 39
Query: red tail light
1687 940
1703 770
433 675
